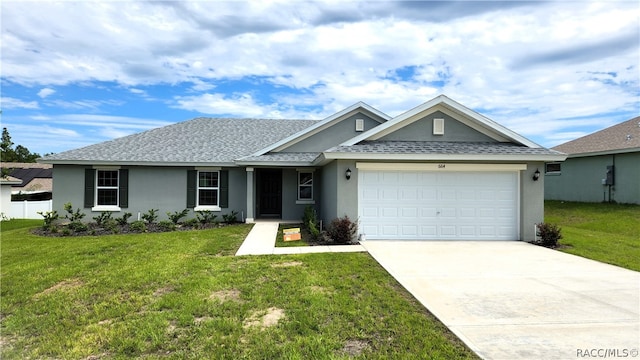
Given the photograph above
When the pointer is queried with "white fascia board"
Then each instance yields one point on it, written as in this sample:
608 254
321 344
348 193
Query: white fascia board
414 115
313 129
255 164
607 152
441 157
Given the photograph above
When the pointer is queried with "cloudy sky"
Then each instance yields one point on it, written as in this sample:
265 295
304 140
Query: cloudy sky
78 73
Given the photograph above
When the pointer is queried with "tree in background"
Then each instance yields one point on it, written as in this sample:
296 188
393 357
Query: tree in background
19 154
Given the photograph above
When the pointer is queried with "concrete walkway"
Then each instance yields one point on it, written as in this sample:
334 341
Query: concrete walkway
514 300
262 240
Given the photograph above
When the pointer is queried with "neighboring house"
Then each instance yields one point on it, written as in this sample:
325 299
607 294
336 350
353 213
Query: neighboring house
601 167
5 195
36 180
438 171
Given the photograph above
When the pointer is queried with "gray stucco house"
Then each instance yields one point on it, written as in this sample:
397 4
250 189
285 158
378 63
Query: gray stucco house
600 167
438 171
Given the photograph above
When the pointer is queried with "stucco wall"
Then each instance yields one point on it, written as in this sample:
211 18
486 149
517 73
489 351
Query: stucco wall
5 200
531 201
422 130
162 188
581 179
329 194
332 136
291 209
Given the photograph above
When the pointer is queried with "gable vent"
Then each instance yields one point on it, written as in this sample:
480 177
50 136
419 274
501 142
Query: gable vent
359 124
438 126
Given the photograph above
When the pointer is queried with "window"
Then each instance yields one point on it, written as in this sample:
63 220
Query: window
552 168
208 188
359 125
305 186
107 191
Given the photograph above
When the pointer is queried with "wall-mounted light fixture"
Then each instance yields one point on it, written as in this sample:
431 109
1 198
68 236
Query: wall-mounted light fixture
536 175
347 174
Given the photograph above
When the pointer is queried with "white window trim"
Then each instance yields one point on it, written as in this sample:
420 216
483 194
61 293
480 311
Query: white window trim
102 208
198 188
298 199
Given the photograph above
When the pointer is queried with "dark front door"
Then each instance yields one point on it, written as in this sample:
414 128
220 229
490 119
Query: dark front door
270 193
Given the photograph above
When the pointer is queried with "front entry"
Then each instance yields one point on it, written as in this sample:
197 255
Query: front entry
269 188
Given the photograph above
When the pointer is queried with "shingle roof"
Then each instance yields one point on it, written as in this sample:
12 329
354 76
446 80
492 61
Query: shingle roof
28 175
289 157
441 147
197 141
625 135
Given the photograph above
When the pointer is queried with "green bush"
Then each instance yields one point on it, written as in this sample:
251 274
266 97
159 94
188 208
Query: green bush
206 217
310 222
124 219
549 235
77 226
138 226
103 218
167 225
191 223
150 216
342 230
231 217
177 215
71 215
49 218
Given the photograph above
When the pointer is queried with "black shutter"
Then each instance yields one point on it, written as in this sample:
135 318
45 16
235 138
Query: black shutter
89 187
124 188
192 185
224 189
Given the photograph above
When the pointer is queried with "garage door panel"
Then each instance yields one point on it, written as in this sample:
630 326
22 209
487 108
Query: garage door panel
433 205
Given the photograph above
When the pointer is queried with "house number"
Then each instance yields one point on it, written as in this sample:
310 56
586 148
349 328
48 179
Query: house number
441 166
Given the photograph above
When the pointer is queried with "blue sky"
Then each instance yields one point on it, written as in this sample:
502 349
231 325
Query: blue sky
78 73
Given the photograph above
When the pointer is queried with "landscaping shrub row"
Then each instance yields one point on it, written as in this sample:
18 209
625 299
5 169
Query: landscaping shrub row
105 224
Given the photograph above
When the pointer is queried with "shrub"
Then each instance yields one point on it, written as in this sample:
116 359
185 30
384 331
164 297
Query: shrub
138 226
150 216
342 230
205 216
549 235
231 217
167 225
103 218
176 216
71 215
124 219
310 222
77 226
49 218
191 223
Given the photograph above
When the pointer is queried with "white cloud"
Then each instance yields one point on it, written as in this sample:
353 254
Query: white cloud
12 103
43 93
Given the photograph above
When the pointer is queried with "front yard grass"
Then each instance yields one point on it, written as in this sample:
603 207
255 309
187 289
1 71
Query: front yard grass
608 233
184 295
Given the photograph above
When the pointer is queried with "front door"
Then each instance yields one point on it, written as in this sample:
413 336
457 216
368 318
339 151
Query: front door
269 193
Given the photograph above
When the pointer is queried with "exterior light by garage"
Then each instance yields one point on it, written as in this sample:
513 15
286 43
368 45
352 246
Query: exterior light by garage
347 174
536 175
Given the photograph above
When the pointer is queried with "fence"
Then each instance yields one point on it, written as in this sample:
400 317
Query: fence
29 209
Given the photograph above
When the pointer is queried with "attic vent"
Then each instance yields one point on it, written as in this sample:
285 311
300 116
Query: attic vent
438 126
359 124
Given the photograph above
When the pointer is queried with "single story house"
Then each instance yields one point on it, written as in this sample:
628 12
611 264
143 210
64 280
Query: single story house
600 167
438 171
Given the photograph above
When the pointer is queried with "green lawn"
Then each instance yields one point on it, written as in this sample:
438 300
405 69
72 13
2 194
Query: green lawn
605 232
184 295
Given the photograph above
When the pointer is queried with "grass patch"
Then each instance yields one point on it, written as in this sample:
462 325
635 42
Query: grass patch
183 295
608 233
19 224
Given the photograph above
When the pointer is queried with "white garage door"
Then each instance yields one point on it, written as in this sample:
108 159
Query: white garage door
434 205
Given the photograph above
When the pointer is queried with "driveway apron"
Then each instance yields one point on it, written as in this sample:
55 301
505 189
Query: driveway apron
514 300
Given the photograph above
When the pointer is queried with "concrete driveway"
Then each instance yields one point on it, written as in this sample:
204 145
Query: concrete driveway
513 300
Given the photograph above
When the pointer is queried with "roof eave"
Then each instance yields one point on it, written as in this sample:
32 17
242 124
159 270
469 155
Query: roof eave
605 152
275 163
443 157
137 163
